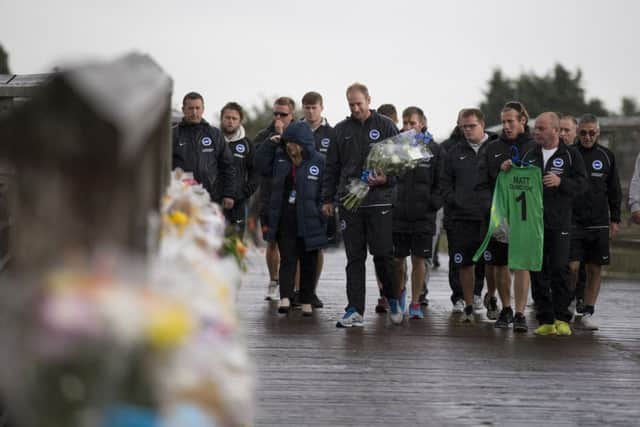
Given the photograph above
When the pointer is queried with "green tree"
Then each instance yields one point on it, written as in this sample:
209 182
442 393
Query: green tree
559 90
629 107
4 61
500 91
258 118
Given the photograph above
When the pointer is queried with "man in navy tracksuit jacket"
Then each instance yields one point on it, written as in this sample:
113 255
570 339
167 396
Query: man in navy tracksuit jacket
563 178
371 224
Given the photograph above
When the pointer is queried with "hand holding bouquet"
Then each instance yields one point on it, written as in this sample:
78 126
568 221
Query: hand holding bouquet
392 156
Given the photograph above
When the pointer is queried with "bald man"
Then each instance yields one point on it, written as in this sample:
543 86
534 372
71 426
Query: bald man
563 178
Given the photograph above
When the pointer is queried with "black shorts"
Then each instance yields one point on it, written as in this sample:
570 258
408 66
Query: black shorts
497 253
465 239
416 244
590 246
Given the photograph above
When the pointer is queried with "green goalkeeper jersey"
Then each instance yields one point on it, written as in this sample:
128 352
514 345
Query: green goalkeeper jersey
517 215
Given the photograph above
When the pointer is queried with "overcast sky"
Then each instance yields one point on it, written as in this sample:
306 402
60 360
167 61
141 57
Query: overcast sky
436 55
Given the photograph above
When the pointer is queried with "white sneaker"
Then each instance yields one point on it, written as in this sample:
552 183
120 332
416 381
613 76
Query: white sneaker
587 323
477 303
458 307
272 292
395 312
351 318
467 318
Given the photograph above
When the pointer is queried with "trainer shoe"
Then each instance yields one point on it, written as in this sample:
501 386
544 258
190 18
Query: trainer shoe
467 318
491 304
520 323
505 318
580 305
587 323
562 327
316 302
458 307
415 311
383 305
351 318
272 291
477 302
546 329
394 311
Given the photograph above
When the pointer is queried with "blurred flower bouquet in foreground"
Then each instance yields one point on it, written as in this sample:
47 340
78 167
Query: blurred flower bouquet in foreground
109 341
393 157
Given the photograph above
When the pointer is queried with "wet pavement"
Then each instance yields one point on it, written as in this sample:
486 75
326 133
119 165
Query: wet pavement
437 371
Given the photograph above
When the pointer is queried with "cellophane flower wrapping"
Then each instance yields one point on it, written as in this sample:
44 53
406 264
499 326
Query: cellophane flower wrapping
110 340
392 156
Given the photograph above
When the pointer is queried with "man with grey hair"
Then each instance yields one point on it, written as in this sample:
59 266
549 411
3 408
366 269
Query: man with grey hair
563 177
634 193
596 215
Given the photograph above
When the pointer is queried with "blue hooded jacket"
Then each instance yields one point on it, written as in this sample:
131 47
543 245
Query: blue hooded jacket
272 159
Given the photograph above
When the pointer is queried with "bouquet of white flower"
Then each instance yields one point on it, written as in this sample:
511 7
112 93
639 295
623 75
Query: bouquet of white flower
393 156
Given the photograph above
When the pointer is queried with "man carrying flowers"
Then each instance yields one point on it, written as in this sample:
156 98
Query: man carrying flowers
371 224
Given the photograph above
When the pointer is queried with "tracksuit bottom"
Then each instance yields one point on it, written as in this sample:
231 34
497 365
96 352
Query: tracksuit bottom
292 250
372 227
552 295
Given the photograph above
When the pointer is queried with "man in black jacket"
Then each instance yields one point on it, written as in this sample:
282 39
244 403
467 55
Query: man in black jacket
514 141
596 215
231 117
466 203
563 178
200 148
454 280
283 109
371 224
414 213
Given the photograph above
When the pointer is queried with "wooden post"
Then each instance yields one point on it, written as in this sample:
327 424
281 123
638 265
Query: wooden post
91 153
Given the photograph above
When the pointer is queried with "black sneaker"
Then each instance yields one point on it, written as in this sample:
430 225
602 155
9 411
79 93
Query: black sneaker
491 304
520 323
316 302
580 305
505 318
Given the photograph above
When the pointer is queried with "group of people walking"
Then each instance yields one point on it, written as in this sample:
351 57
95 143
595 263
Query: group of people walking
303 168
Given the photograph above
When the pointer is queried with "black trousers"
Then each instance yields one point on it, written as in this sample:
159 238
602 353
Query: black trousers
552 295
372 227
292 251
236 218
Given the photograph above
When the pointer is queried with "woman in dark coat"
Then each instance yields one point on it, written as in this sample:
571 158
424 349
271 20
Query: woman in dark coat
295 221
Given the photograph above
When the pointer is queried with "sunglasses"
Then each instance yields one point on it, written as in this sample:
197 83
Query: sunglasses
591 133
280 114
469 126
